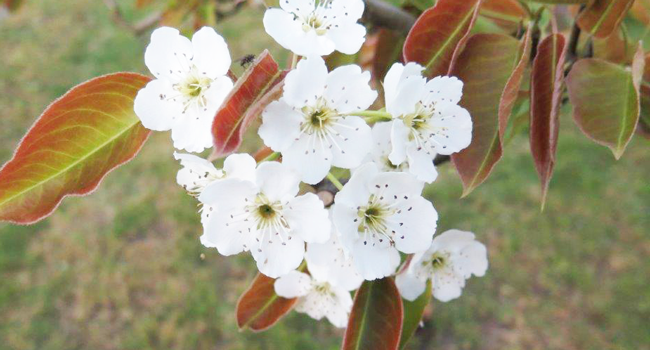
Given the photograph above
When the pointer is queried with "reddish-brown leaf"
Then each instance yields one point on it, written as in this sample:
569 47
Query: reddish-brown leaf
388 51
570 2
614 49
376 318
259 307
511 91
508 14
605 99
601 17
258 86
485 66
439 35
547 83
80 138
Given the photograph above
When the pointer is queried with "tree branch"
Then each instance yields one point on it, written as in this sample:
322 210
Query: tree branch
138 28
385 15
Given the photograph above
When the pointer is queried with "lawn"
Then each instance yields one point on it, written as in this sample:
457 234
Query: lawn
124 269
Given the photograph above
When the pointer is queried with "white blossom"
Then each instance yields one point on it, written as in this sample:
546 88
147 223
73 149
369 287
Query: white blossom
197 173
379 214
313 124
190 85
453 257
427 119
317 27
265 217
380 154
330 262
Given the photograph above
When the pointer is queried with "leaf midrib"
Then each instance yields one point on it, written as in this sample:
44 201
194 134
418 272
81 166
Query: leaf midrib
362 326
72 165
451 37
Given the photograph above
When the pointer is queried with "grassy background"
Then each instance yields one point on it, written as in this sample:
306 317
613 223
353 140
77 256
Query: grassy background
122 268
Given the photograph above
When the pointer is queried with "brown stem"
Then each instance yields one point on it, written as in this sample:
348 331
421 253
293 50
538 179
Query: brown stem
385 15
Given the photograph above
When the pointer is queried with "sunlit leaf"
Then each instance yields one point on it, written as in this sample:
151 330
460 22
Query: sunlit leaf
511 91
413 311
439 34
605 99
376 318
485 66
259 307
82 136
258 86
614 49
601 17
547 83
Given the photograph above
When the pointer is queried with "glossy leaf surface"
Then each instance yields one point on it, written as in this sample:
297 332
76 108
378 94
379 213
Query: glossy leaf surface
439 34
376 318
258 86
485 66
259 307
78 139
547 82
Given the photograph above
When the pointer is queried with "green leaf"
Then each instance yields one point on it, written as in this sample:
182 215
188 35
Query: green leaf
78 139
605 99
413 311
376 318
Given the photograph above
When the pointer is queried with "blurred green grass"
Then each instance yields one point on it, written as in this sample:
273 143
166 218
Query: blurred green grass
122 268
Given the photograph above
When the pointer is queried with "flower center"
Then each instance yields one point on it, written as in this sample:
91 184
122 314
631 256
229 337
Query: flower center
318 20
266 211
437 262
192 89
319 118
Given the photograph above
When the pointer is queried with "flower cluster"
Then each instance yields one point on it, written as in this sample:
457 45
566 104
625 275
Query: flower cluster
321 121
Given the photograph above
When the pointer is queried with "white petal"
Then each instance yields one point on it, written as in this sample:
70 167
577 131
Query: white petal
216 94
409 286
447 286
314 304
452 128
292 285
348 37
394 77
348 10
277 181
308 219
399 138
328 262
276 258
355 192
346 220
421 163
374 262
353 142
168 53
305 84
338 313
282 27
448 89
302 7
228 237
348 89
310 44
196 171
240 166
228 193
397 186
409 93
211 55
310 156
193 134
155 110
280 125
414 225
472 260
